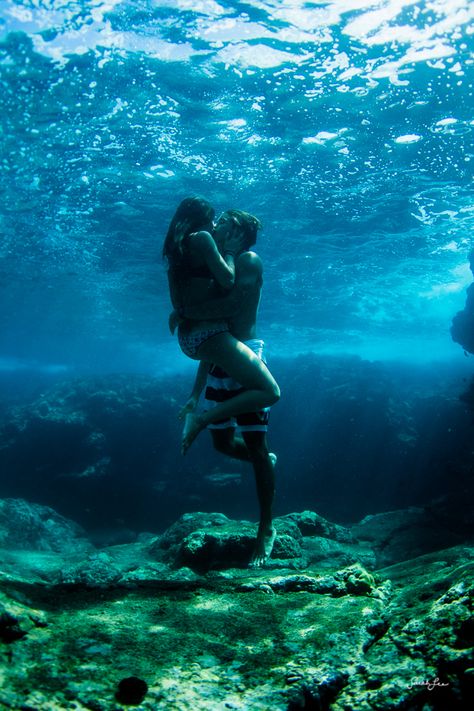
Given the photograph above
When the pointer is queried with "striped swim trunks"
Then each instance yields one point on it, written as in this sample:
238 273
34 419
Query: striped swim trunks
220 387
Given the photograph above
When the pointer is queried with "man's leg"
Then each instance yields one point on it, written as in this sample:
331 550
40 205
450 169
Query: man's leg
263 463
249 447
227 441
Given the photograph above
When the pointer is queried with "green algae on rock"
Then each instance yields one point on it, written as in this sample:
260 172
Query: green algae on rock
308 635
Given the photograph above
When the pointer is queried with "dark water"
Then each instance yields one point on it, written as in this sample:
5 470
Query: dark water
352 437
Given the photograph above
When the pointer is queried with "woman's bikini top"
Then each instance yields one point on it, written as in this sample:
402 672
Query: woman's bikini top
183 270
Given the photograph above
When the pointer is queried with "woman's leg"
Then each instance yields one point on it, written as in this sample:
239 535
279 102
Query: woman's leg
260 387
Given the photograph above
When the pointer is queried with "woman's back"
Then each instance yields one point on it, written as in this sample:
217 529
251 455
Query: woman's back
192 280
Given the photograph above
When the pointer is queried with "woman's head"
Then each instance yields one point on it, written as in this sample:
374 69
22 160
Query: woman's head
196 213
248 223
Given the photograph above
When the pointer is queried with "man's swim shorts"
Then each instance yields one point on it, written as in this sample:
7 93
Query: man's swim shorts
220 388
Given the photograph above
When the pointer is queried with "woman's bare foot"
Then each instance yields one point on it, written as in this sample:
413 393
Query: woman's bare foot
193 425
263 546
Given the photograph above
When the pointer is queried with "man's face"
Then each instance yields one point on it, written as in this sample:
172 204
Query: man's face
221 229
210 224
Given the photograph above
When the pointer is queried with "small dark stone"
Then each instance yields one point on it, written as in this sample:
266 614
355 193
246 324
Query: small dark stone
131 691
330 686
308 699
10 630
465 635
94 705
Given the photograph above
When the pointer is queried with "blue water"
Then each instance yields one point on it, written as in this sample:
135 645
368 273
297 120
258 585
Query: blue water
345 126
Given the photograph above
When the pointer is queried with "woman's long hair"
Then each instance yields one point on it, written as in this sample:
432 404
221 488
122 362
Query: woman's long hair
198 213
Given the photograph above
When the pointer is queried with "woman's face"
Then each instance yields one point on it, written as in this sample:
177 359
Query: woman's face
222 229
209 226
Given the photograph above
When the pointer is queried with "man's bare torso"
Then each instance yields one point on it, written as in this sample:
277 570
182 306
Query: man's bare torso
248 287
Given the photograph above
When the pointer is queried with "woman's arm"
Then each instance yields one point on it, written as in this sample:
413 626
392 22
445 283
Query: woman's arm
222 268
248 278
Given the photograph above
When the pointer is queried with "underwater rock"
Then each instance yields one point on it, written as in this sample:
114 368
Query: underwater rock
325 552
16 620
312 524
97 571
462 328
319 692
350 581
29 526
356 580
450 624
404 534
185 525
213 541
78 447
286 549
10 629
430 620
131 691
229 637
230 544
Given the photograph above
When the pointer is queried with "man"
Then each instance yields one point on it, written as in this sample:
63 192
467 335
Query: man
240 308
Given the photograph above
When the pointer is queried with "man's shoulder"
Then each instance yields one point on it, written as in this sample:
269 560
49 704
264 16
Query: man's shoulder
249 270
250 261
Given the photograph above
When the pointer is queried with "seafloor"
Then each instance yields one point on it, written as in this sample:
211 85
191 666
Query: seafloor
346 618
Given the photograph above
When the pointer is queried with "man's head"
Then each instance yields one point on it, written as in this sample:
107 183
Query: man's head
248 224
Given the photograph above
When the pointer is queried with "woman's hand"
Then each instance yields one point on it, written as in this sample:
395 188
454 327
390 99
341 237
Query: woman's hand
234 241
189 406
173 321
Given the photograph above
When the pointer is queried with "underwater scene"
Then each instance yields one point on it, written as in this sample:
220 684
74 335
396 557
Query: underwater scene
310 164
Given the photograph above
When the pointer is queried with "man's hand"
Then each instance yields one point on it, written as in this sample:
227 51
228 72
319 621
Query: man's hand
189 406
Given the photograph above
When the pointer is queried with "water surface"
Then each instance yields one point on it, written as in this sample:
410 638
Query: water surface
345 126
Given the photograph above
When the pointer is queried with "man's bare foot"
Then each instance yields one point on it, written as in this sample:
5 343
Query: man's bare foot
273 458
263 546
193 425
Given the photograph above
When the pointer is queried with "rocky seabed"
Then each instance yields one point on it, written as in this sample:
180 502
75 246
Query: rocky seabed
340 618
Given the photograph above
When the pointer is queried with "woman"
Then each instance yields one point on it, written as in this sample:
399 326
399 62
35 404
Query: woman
197 272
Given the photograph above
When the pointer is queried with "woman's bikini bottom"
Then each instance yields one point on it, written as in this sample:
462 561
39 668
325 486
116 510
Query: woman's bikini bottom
191 338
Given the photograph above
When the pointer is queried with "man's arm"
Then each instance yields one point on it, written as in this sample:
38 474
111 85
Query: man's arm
248 275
